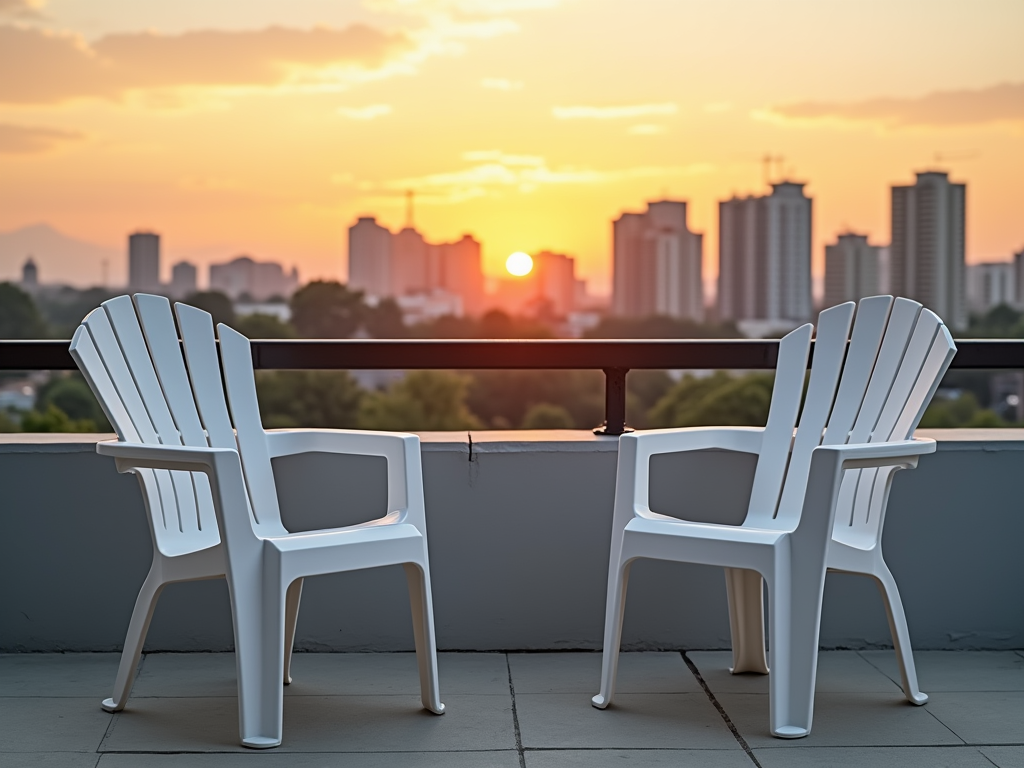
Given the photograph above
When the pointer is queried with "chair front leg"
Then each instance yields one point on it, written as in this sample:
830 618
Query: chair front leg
745 589
418 578
900 632
615 607
259 624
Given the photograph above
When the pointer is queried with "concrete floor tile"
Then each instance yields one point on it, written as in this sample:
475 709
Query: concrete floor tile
958 670
276 759
48 759
843 720
838 672
634 721
318 724
981 717
1004 757
51 724
58 674
872 757
581 673
324 674
614 758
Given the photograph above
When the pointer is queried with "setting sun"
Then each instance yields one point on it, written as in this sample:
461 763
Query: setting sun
519 264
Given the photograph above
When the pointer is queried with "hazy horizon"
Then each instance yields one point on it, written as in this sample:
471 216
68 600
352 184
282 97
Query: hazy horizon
267 129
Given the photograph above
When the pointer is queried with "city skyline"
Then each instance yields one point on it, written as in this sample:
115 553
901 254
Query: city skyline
532 122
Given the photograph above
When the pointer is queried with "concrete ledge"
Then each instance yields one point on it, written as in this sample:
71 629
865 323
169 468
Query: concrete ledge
519 527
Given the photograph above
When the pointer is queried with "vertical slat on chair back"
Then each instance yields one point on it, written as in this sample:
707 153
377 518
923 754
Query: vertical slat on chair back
85 355
829 352
166 525
240 383
928 354
125 325
161 336
773 459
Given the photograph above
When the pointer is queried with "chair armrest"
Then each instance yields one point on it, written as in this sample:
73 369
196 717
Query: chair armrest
288 442
129 456
903 453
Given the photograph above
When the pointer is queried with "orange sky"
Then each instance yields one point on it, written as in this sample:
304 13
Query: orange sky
268 127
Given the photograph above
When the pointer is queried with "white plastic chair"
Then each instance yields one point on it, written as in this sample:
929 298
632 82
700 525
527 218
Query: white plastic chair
897 355
204 484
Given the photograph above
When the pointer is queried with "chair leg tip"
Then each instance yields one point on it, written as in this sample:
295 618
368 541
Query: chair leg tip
261 742
918 698
600 702
109 706
790 732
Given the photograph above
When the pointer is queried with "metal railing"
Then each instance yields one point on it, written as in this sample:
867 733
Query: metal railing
614 357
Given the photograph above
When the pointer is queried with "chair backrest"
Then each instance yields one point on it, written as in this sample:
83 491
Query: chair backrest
869 386
132 358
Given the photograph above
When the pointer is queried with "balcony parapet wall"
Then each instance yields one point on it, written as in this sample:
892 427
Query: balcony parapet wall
518 526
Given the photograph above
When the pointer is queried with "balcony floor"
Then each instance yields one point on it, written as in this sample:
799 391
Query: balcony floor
515 709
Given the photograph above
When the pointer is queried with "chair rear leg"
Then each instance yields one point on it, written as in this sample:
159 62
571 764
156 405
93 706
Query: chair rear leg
291 618
746 620
618 580
900 633
145 604
423 630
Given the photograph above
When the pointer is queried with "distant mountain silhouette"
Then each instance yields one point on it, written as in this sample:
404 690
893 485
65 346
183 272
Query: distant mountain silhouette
60 258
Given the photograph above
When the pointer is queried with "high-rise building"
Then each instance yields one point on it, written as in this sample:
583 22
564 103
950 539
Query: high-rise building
991 284
144 262
764 256
555 276
244 278
410 263
927 252
183 280
29 275
1018 278
458 270
851 269
657 267
369 258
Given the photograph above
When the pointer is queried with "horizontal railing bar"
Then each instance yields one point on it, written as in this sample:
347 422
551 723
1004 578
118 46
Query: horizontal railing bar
513 354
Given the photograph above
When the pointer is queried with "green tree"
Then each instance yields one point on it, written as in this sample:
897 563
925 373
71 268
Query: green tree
960 411
643 391
326 399
7 423
661 327
547 416
19 316
384 321
327 310
216 303
71 395
502 398
261 326
717 400
53 419
424 401
64 309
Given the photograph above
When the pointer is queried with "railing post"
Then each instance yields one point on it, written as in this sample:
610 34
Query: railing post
614 403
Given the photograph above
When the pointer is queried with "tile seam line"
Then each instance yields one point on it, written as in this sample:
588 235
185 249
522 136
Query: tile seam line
721 710
515 715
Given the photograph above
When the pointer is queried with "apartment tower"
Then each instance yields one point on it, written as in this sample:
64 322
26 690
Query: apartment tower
927 253
851 269
657 267
144 262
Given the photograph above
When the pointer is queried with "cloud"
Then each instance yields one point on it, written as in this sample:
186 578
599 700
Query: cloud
613 113
38 66
28 140
500 84
646 129
997 103
21 9
365 113
493 172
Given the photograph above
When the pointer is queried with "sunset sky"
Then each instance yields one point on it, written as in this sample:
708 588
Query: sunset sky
265 127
